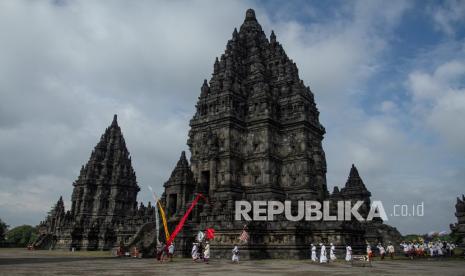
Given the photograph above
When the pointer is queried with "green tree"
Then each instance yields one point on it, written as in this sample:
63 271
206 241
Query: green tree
3 230
21 236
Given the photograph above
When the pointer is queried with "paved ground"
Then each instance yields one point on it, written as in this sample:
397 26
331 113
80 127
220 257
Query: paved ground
23 262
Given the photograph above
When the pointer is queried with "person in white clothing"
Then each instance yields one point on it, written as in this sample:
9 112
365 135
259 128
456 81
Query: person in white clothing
195 252
390 250
206 252
314 258
235 256
171 251
431 249
439 246
369 253
332 253
323 258
382 252
348 253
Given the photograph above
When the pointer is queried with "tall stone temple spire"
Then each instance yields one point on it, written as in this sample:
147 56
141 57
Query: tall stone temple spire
354 185
256 124
107 183
104 210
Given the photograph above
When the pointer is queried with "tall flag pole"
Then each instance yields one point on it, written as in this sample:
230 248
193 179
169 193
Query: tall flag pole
157 223
183 220
159 207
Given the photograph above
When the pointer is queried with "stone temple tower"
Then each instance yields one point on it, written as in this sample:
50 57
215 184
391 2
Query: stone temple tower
106 187
256 127
104 211
255 135
105 191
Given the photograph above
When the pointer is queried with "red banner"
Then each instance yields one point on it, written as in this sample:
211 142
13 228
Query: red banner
183 220
210 233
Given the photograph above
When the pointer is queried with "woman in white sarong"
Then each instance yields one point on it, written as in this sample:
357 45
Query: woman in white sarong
439 246
206 253
348 253
332 252
195 252
314 258
323 258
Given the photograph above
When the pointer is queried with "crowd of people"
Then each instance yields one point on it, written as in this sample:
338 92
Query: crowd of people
201 251
430 249
410 250
332 253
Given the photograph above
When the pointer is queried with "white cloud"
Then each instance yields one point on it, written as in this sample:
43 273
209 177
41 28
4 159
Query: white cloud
449 16
439 101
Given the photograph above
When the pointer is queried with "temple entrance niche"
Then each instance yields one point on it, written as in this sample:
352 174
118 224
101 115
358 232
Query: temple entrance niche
205 181
93 239
172 203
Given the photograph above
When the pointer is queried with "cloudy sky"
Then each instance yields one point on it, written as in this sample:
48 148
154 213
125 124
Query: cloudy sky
388 78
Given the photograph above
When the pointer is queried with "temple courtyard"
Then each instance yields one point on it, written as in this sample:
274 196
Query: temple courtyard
23 262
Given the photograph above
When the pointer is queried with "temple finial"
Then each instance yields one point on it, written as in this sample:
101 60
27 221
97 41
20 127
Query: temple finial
216 66
353 172
115 120
205 89
250 15
272 37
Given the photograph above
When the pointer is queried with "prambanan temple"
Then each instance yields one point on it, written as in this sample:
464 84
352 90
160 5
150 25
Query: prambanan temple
255 135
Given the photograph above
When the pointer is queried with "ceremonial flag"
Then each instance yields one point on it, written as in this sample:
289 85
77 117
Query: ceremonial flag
163 218
210 233
244 237
158 206
183 220
157 223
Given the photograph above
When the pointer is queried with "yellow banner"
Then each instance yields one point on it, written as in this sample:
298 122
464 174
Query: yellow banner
163 217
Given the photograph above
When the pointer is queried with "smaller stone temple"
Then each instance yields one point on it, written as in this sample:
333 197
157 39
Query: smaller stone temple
458 228
104 212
